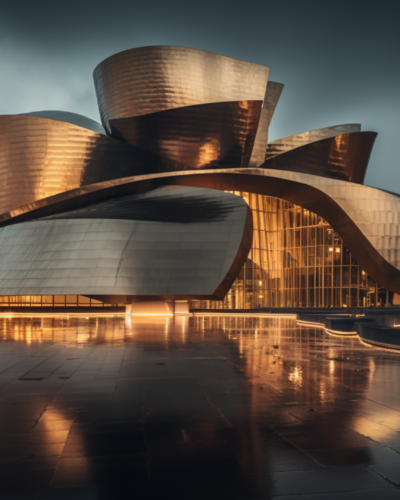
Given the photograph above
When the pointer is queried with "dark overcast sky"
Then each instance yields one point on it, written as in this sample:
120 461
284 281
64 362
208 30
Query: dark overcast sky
339 60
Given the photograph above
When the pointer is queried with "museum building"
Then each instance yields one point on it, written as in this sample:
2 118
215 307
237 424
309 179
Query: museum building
178 197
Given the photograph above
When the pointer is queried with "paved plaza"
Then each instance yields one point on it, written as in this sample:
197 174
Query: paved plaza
108 407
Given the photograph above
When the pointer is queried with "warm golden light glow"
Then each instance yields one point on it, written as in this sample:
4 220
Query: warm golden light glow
218 313
296 260
296 375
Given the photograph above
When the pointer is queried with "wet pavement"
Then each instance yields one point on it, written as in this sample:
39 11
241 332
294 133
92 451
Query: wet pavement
109 407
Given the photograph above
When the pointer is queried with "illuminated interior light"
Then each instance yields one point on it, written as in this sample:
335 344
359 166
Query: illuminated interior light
309 323
331 249
60 315
152 314
337 250
227 314
337 333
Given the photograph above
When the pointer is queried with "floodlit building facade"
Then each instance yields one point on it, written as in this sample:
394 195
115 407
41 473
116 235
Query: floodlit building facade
179 196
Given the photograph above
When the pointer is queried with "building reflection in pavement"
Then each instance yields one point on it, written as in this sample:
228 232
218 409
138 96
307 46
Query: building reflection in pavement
243 396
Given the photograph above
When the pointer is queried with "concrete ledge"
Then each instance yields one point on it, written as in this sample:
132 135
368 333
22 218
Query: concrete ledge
379 335
152 308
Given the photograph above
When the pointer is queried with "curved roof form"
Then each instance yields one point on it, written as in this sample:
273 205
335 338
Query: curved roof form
147 80
201 136
66 116
271 99
344 157
196 256
367 219
272 96
286 144
40 157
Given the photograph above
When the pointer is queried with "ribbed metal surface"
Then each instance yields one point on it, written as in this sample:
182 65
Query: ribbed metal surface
367 219
125 258
66 116
271 99
152 79
40 157
344 157
179 109
286 144
201 136
156 206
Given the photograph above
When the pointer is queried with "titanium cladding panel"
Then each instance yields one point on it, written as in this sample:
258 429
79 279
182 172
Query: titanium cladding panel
41 157
201 136
173 109
85 254
66 116
296 141
342 157
271 99
151 79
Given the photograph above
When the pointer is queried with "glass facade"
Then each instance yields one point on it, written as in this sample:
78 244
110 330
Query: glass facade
51 301
296 260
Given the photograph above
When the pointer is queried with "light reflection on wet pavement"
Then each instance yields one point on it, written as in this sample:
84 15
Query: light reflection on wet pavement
194 408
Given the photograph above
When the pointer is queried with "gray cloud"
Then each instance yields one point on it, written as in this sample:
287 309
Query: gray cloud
338 60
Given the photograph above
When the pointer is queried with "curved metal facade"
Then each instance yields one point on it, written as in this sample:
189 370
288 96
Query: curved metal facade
191 106
202 136
67 117
40 157
286 144
151 79
365 218
100 253
271 99
344 157
75 198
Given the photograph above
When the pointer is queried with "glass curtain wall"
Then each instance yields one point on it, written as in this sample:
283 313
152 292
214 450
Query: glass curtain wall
51 301
296 260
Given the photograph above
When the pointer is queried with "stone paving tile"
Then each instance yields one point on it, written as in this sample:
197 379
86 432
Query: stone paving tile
389 471
199 408
32 479
326 481
19 495
78 472
376 494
